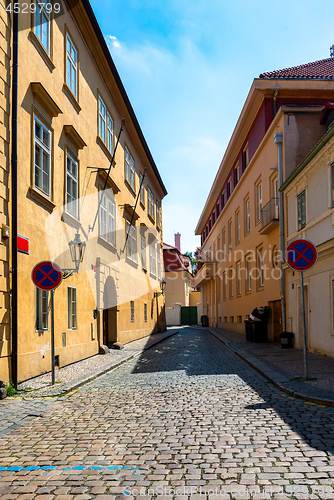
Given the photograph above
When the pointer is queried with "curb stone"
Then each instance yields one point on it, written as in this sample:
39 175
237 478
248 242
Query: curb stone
278 384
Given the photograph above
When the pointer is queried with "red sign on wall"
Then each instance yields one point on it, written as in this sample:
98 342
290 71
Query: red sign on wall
22 244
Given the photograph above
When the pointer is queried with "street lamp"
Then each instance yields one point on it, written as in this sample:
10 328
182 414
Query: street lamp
162 288
77 251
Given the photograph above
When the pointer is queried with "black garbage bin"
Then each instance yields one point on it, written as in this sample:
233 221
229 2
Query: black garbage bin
247 329
259 331
204 320
286 340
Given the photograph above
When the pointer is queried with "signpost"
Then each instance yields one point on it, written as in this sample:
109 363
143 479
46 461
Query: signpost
301 255
47 275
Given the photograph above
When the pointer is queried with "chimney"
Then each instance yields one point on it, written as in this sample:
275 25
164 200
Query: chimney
177 238
331 51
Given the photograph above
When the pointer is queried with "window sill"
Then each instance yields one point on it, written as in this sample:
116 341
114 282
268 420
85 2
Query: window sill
71 97
41 199
130 188
106 244
260 289
258 222
70 220
142 205
246 234
40 48
104 148
158 228
144 270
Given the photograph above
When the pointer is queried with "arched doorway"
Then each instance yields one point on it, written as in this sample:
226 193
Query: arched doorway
109 312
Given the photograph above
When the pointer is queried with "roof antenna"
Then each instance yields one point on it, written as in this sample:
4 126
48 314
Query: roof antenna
331 51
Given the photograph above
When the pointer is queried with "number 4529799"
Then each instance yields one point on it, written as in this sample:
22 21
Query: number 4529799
32 7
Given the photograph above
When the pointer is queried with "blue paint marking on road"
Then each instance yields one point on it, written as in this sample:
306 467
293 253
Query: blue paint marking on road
17 468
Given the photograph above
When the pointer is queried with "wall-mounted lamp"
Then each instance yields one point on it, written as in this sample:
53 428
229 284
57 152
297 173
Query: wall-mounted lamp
162 288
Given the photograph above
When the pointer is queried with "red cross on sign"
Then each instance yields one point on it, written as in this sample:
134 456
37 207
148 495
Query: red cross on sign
301 255
47 275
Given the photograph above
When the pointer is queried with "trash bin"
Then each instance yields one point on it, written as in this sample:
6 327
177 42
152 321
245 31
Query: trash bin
259 331
247 329
286 340
204 320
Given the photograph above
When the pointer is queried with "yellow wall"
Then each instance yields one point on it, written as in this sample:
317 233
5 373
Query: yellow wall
177 288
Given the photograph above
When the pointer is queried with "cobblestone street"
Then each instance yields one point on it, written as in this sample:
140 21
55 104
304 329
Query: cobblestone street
186 418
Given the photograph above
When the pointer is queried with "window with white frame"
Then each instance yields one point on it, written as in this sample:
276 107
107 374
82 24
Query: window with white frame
219 285
260 268
236 174
231 277
106 126
238 278
301 210
132 308
145 312
71 186
129 168
42 25
107 217
159 260
150 203
72 308
42 310
247 215
143 251
245 156
131 244
230 235
229 187
224 243
224 285
71 66
142 191
237 225
157 209
42 157
153 265
259 202
248 274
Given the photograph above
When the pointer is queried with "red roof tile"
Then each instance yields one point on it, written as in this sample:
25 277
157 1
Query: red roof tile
322 70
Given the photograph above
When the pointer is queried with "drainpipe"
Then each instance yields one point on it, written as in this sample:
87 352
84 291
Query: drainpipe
278 138
14 195
275 102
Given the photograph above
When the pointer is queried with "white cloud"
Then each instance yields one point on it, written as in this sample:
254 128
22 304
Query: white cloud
113 41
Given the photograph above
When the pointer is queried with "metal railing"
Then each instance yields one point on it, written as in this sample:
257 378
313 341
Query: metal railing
269 212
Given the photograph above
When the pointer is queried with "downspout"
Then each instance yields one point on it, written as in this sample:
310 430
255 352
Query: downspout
278 138
14 197
275 102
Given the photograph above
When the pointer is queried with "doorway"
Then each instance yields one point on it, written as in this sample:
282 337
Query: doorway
109 312
277 319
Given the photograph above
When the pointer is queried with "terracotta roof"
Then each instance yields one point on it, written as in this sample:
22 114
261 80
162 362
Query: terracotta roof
322 70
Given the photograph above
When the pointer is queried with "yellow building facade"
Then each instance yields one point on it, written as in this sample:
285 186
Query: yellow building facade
239 224
71 106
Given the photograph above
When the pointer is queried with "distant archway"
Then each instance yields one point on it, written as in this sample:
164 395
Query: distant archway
109 312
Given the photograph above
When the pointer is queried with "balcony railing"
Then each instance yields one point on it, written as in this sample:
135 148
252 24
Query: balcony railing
269 216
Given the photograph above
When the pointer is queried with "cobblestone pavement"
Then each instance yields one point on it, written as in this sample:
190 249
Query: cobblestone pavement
185 418
287 362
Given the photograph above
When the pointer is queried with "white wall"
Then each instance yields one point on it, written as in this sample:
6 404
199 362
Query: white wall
173 315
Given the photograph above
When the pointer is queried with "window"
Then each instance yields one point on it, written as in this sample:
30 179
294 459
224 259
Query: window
42 159
230 235
332 282
159 261
153 269
106 126
247 215
129 168
332 183
107 218
301 210
71 66
259 202
143 251
275 196
260 268
236 174
230 277
245 156
218 249
223 198
224 243
224 286
42 310
219 285
158 213
150 203
145 313
42 25
71 186
142 191
229 187
131 244
248 274
237 226
132 307
238 278
72 308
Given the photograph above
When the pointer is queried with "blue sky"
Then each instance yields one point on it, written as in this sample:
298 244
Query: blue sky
187 68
